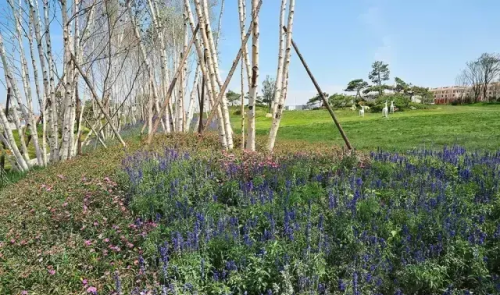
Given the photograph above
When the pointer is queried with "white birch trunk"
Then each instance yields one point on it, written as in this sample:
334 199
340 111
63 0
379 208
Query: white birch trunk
206 69
79 130
54 126
27 112
246 58
163 56
17 99
68 103
192 100
41 96
215 60
144 58
36 24
10 142
255 78
182 121
279 74
242 110
279 107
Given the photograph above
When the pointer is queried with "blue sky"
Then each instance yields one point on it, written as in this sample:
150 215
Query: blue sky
425 42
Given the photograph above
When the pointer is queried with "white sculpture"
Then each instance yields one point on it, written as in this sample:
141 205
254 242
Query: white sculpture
362 111
392 107
385 111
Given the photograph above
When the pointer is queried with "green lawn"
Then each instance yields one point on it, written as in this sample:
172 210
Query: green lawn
474 126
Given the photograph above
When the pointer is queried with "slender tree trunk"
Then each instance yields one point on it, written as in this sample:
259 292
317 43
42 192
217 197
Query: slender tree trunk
163 64
235 64
68 83
150 112
144 58
202 103
77 147
54 126
10 142
35 23
209 73
96 98
172 84
27 112
279 74
192 100
9 78
242 111
282 96
255 78
242 16
213 51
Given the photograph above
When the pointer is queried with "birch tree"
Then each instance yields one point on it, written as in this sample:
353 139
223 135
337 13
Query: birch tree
278 112
254 80
279 72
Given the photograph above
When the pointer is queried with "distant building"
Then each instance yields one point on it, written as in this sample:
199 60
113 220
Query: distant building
443 95
301 107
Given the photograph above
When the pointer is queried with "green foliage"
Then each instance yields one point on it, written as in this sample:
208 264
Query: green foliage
357 85
232 97
50 215
380 73
340 100
402 102
401 86
317 101
268 90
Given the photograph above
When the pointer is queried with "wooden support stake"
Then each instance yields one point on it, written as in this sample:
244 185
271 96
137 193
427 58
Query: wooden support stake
172 85
325 101
96 98
202 99
233 67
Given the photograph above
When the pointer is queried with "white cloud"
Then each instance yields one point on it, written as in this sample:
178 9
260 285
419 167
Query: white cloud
373 18
385 52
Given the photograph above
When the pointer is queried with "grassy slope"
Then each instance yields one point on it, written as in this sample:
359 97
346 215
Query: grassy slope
476 126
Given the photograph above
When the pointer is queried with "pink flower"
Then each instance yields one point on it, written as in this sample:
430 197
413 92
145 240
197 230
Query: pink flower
52 271
24 292
65 204
92 290
88 242
85 282
106 240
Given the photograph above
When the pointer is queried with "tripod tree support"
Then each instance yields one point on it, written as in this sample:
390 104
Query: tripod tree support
325 101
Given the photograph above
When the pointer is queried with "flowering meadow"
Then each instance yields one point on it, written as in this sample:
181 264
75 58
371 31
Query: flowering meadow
423 222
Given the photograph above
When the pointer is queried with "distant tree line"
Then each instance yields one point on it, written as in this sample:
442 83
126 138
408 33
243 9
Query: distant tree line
477 78
377 92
